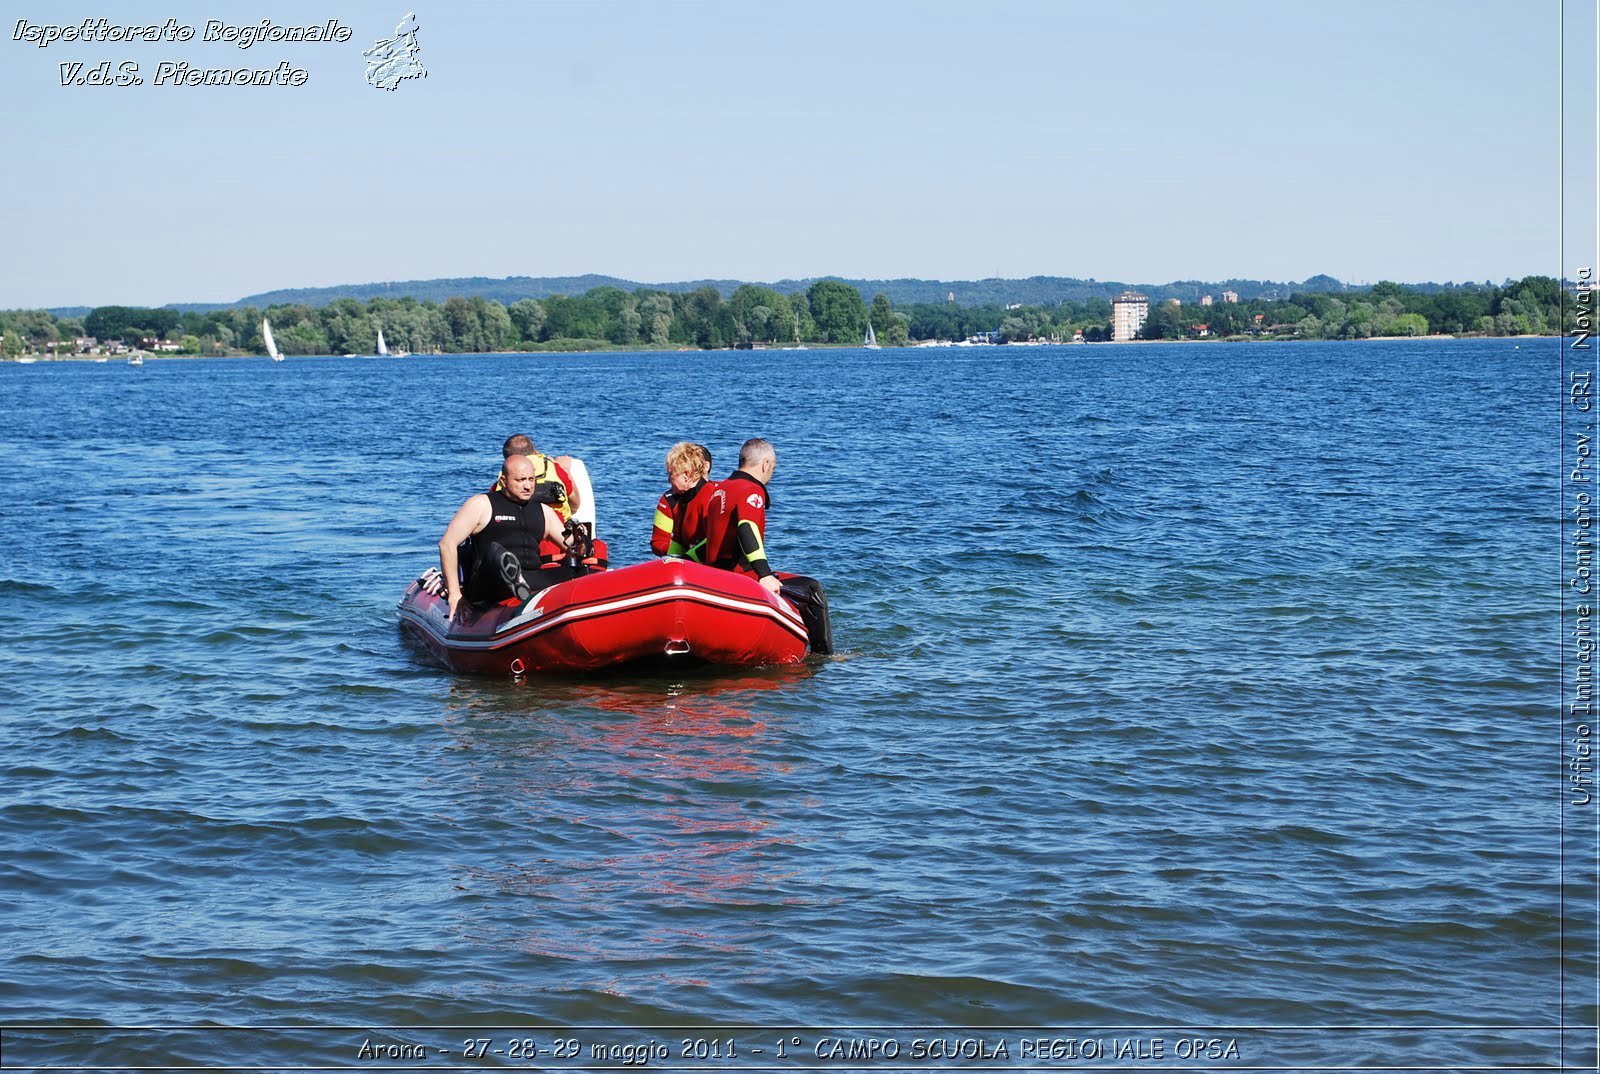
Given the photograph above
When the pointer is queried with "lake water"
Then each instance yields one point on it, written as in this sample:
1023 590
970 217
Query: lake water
1184 692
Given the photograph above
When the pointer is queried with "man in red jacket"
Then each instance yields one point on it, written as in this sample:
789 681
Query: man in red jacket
736 520
735 530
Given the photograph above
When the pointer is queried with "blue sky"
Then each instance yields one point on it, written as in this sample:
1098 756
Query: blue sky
659 140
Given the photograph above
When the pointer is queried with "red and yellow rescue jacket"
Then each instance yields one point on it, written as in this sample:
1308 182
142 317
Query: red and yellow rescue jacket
680 523
661 532
736 523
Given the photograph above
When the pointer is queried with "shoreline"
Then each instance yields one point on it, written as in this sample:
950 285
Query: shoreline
40 359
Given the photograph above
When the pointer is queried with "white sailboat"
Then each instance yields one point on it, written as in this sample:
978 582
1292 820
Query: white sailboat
385 352
872 339
272 345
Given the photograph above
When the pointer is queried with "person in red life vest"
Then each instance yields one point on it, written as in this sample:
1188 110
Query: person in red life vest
691 520
507 526
548 472
688 467
735 528
552 485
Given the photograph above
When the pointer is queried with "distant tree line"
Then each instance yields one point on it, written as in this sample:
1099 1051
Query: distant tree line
1530 306
829 311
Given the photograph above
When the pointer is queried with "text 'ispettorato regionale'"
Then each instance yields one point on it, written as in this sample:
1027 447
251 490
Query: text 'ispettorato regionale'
179 73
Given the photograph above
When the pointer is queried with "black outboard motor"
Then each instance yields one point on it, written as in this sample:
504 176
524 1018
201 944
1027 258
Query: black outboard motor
809 599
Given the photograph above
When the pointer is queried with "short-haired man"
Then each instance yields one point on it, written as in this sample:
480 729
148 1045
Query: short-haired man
737 515
736 524
553 484
506 525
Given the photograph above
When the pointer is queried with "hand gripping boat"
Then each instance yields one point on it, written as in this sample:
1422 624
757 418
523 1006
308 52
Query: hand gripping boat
667 608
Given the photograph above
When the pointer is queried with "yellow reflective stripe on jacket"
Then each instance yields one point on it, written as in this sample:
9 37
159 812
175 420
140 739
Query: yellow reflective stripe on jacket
696 552
760 553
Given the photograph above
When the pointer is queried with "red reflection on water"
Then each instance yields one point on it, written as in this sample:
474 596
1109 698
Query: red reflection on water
636 803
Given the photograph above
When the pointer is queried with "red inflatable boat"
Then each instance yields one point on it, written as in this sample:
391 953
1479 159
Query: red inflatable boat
667 608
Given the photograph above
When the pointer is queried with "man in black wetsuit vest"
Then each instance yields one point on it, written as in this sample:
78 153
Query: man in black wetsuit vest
506 525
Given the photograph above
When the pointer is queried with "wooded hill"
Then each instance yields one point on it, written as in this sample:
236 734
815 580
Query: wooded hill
1032 291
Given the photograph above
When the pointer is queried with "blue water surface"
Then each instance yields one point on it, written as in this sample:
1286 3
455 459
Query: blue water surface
1178 685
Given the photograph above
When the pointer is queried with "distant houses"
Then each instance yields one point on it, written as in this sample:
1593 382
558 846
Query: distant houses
91 345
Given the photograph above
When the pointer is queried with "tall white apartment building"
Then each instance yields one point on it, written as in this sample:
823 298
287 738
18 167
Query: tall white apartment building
1128 313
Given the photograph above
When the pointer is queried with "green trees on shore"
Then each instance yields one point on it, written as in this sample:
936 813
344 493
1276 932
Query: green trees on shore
1530 306
829 311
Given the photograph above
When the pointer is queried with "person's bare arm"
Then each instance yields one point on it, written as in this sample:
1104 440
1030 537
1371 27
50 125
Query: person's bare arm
470 518
555 529
575 498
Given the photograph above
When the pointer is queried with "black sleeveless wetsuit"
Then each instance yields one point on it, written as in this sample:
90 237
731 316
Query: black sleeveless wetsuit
513 527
